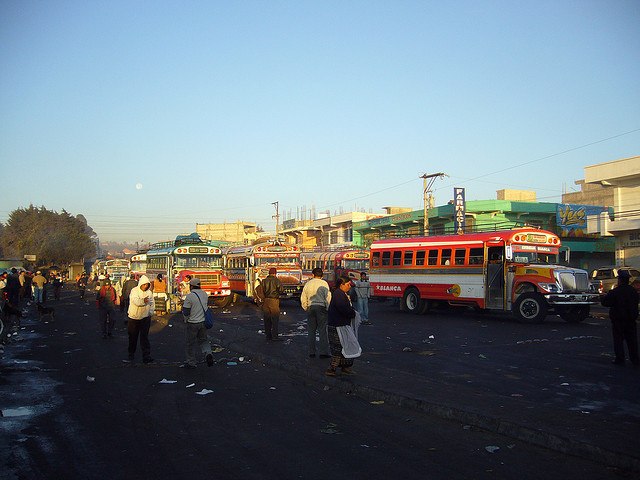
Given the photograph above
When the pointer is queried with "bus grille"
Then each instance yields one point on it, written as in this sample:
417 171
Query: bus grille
208 280
574 281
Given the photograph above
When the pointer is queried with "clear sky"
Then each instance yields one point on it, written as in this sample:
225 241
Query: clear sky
150 116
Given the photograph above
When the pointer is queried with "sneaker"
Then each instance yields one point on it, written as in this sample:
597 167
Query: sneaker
347 371
128 360
331 372
147 360
209 360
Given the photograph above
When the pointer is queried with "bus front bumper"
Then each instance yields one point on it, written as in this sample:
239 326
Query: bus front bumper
573 298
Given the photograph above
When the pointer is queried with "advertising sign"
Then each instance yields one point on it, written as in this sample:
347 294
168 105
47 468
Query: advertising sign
572 219
459 210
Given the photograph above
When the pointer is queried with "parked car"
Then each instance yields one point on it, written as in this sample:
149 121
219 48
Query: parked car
607 277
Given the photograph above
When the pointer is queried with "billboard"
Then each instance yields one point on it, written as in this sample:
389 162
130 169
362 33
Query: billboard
572 219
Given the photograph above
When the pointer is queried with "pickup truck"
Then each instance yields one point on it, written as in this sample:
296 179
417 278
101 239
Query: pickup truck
606 278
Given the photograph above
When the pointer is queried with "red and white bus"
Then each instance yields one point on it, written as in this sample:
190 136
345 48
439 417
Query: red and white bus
511 270
244 265
138 264
189 255
334 263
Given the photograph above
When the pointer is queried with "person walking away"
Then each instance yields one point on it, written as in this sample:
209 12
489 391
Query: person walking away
363 293
272 289
106 300
21 292
81 284
12 288
623 312
315 299
57 286
38 287
193 309
340 314
127 287
28 286
141 307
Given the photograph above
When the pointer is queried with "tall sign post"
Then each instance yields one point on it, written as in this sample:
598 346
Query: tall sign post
459 209
427 196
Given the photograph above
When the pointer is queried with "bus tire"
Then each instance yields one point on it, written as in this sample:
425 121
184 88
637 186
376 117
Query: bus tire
222 302
530 307
411 301
574 313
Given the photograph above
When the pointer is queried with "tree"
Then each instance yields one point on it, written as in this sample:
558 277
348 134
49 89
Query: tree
53 237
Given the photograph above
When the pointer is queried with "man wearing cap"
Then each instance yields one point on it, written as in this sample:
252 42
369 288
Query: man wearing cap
623 312
141 307
38 286
271 290
195 304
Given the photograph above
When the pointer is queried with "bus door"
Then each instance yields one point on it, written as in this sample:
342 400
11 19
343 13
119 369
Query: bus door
249 276
495 277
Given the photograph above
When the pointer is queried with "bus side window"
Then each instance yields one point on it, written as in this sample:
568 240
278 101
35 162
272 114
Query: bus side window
408 257
375 259
397 256
459 257
446 257
433 257
386 259
476 256
420 257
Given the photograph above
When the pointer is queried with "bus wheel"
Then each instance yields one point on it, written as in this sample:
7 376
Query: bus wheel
530 307
411 301
575 313
222 302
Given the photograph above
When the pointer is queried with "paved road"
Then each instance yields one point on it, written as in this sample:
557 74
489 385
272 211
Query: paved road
72 409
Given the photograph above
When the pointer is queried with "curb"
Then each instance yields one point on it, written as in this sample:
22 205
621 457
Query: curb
507 428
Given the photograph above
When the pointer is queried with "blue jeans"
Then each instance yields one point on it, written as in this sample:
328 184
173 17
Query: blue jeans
363 308
37 293
317 317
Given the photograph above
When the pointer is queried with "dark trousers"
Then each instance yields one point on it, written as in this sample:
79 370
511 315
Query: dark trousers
139 328
271 316
124 305
625 332
107 319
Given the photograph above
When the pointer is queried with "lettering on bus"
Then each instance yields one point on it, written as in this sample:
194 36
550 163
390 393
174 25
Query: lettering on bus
389 288
198 250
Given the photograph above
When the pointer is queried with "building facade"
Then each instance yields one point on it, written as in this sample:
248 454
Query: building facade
622 221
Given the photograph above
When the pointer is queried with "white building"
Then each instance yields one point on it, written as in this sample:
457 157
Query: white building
624 222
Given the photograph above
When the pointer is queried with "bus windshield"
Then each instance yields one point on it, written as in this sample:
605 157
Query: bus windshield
277 260
361 265
198 261
547 258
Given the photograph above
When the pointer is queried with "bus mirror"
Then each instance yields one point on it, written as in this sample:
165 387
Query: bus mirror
565 256
508 251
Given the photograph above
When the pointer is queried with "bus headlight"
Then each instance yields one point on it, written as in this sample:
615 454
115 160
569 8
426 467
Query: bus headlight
550 287
225 284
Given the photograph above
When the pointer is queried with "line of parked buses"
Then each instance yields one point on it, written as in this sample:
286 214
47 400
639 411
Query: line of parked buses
515 271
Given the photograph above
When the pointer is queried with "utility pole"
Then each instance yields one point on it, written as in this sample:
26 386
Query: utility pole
427 196
277 217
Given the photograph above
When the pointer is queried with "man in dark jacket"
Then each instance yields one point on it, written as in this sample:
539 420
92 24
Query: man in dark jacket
271 290
623 311
129 285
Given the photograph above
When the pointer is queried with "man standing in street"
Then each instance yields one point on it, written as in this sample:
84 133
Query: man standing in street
315 299
272 289
38 286
127 287
141 307
623 312
193 309
363 294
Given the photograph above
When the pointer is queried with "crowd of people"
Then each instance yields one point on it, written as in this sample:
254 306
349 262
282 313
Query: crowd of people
333 317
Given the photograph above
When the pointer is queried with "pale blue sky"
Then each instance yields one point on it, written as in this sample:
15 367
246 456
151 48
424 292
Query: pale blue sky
220 108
